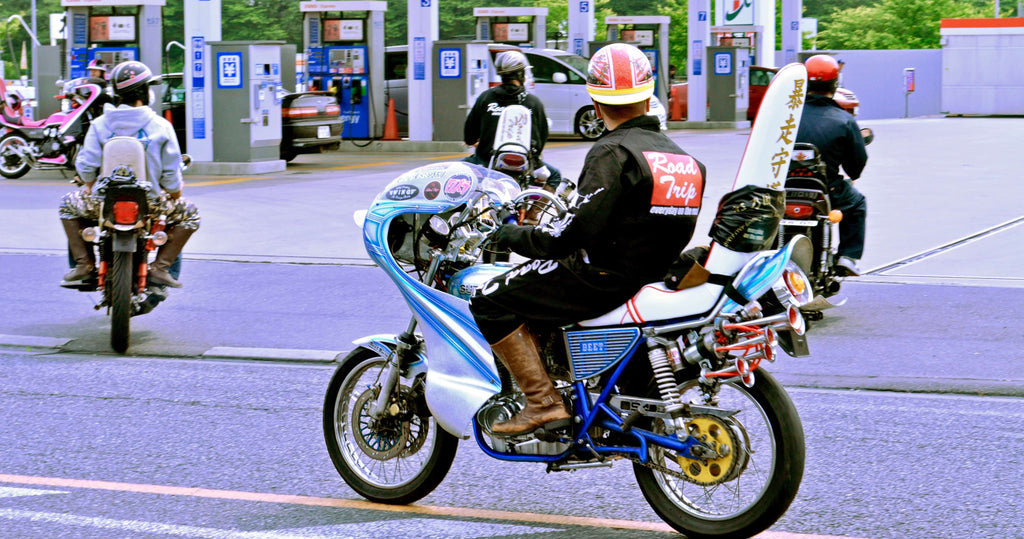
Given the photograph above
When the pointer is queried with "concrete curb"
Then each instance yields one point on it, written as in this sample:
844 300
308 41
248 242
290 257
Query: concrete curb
30 341
957 386
275 354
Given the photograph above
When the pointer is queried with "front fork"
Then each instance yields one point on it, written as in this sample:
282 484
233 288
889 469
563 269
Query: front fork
404 348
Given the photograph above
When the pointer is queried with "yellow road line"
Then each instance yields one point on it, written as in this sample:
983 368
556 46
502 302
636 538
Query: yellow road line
334 502
221 182
457 156
363 165
462 512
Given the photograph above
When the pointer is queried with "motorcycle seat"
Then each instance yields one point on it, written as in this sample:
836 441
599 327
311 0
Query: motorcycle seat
16 119
656 302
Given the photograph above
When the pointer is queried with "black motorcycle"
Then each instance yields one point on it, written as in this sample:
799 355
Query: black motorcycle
809 213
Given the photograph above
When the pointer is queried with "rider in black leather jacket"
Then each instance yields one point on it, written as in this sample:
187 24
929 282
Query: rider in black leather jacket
837 136
638 199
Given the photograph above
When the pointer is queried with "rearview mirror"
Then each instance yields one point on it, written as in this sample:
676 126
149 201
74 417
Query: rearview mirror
868 135
559 78
186 162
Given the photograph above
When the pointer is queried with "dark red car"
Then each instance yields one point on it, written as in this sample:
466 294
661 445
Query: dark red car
759 79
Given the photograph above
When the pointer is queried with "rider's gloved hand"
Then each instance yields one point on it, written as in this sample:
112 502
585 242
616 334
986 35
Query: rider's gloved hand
507 214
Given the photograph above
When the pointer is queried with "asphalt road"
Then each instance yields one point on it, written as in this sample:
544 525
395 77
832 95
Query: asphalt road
147 447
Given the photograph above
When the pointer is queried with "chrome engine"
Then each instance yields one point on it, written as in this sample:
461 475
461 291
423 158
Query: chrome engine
502 408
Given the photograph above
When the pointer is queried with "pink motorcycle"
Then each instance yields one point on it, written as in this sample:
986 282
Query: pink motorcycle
51 143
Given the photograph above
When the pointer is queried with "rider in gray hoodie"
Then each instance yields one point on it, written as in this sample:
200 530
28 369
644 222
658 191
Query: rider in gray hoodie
132 117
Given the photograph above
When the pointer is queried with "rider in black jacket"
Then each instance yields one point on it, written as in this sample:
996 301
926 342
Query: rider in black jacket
837 136
639 196
482 122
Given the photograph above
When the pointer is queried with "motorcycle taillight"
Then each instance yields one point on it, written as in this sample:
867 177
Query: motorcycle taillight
799 211
126 212
512 161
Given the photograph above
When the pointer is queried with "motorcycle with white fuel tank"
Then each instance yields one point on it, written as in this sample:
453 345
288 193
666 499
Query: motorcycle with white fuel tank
129 227
671 382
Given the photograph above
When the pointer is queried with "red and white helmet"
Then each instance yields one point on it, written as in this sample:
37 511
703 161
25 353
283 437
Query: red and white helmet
620 74
822 68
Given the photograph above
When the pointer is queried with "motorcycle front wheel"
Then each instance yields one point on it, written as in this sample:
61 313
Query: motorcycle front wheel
397 459
12 164
119 291
749 490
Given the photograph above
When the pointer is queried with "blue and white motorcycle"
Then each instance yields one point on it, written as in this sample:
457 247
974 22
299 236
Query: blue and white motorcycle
672 381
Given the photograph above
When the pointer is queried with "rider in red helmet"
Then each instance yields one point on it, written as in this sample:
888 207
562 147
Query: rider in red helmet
623 231
836 135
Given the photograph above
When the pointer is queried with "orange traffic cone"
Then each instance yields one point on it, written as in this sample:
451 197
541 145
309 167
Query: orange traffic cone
391 123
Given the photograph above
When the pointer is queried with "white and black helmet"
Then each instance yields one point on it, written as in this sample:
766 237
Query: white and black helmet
510 62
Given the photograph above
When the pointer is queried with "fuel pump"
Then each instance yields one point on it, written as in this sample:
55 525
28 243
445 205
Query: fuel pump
523 26
344 46
650 35
114 31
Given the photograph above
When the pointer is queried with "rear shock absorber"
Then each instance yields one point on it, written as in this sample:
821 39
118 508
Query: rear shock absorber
663 376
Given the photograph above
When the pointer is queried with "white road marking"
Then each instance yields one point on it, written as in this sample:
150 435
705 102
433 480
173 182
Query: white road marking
14 492
409 527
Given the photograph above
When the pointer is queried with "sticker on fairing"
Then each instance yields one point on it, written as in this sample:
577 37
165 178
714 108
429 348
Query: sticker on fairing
402 192
432 190
457 186
678 186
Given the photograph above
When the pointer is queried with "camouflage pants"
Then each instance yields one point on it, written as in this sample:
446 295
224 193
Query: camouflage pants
180 212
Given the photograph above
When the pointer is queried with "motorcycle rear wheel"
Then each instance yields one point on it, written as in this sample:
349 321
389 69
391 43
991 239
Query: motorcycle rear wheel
119 290
12 166
396 460
759 493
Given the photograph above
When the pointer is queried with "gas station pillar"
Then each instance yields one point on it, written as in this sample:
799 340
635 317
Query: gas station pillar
696 72
792 40
202 25
423 32
581 26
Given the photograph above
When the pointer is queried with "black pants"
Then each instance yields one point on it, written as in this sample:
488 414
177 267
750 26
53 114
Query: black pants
546 294
853 228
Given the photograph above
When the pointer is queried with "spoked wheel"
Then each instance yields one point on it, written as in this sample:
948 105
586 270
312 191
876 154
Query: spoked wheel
750 480
119 291
588 125
12 164
396 459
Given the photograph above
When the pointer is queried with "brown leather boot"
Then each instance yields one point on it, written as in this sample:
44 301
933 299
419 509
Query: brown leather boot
81 252
165 256
544 405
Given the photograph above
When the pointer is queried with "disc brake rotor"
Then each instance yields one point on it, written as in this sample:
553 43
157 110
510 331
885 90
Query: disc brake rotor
726 457
380 439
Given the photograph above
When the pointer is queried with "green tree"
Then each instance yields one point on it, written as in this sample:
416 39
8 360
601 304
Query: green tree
894 24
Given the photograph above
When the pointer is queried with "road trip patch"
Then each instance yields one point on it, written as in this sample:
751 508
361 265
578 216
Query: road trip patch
678 186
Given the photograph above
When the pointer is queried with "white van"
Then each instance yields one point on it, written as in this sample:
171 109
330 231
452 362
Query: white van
561 84
556 77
